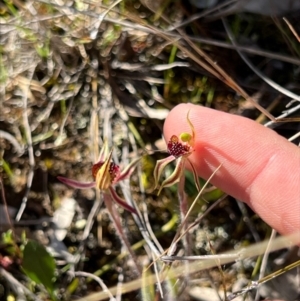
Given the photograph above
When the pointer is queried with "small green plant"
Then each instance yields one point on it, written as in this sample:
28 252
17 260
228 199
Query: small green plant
40 266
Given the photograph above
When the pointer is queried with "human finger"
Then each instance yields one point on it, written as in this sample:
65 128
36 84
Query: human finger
259 167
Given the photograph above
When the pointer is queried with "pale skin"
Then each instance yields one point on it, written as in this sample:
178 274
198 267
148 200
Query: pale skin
259 167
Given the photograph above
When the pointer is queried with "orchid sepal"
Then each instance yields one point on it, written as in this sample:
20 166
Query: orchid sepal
103 152
196 178
120 201
76 184
175 176
127 172
159 167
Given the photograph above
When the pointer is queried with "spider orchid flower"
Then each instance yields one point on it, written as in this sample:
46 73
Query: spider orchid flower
179 149
106 175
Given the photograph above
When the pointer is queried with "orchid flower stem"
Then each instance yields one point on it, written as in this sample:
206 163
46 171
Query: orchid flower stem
118 226
183 204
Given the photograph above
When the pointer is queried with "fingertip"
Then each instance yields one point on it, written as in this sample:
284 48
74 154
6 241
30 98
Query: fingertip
259 167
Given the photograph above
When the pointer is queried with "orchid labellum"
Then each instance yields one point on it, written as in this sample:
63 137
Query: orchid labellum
179 149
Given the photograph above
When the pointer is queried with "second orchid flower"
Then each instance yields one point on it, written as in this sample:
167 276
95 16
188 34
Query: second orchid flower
179 149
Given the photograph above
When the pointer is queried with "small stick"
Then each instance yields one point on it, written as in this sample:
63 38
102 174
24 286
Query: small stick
292 29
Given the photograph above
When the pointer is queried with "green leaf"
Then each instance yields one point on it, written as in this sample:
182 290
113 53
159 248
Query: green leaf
39 265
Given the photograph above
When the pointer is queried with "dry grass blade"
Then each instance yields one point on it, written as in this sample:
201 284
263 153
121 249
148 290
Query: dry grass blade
98 280
179 233
270 82
283 117
17 286
26 124
292 29
256 284
13 141
250 251
212 67
265 261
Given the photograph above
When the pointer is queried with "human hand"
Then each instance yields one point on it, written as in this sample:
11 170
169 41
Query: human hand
259 167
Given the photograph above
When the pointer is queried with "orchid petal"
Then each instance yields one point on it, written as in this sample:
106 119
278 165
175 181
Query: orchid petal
159 167
76 184
127 172
175 176
120 201
196 178
103 177
103 152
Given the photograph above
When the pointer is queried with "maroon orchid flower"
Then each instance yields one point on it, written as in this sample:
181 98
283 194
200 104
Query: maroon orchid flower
106 175
179 148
